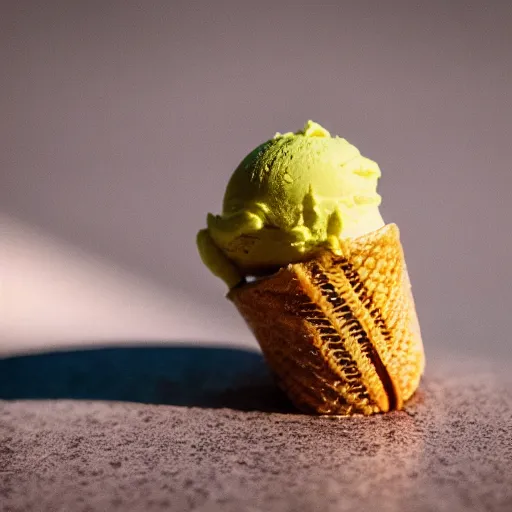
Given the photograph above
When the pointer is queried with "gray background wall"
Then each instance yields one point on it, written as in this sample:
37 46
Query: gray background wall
120 123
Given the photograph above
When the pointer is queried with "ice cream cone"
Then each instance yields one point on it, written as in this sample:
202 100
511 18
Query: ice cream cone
340 330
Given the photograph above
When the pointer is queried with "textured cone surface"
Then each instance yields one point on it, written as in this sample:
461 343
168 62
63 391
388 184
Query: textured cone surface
340 331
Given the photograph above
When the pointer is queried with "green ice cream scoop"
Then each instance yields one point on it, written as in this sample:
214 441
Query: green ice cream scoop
291 196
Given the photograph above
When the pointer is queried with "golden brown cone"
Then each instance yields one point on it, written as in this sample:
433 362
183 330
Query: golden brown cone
340 330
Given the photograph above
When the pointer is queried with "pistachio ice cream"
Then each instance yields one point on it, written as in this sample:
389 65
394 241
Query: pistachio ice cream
289 197
332 308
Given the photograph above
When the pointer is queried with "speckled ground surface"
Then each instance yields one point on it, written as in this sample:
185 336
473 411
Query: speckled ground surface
450 451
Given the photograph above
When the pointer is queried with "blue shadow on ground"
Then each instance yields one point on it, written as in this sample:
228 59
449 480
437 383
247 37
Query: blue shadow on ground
194 376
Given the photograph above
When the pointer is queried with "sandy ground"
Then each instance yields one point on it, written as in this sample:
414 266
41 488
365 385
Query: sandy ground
451 450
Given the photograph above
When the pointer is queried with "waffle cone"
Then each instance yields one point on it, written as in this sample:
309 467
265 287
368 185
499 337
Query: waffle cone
340 330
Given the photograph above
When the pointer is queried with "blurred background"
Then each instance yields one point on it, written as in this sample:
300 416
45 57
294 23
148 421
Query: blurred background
121 122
